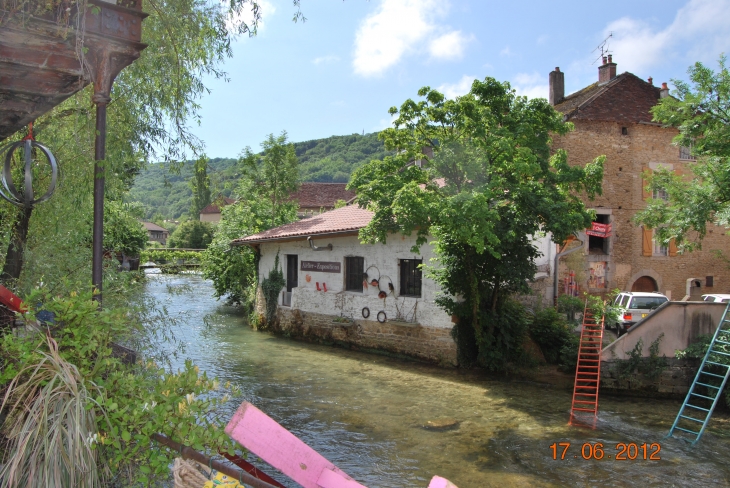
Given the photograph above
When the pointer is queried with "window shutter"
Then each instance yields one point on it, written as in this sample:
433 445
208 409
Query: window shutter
647 242
672 247
644 193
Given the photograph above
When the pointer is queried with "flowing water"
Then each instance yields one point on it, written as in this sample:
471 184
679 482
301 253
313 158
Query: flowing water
368 414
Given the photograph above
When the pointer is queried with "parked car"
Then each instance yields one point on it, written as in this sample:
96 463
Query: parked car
634 306
716 298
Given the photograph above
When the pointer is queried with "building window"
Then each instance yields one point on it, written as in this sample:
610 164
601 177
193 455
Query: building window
624 131
659 248
660 194
354 269
686 153
411 277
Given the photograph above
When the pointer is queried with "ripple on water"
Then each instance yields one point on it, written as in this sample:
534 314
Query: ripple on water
366 413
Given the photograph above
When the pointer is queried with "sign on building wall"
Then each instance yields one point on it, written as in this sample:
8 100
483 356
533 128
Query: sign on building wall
597 279
322 266
599 230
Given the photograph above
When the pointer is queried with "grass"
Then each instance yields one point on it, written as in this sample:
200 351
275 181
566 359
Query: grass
50 427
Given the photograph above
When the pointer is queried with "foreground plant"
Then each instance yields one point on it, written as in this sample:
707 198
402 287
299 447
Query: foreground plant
113 407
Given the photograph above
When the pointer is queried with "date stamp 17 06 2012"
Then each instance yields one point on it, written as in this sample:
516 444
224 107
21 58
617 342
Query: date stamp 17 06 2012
624 451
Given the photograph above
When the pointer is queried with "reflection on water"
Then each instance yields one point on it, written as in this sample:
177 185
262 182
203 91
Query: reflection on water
368 414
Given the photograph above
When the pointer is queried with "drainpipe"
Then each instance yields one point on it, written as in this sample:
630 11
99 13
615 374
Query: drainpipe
555 269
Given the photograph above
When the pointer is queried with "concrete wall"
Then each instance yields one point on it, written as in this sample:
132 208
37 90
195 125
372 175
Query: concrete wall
414 326
644 147
680 322
210 217
382 259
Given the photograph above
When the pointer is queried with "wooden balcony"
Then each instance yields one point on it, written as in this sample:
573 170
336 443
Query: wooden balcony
48 55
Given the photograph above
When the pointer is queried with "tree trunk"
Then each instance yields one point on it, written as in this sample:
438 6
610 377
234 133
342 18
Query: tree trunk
14 257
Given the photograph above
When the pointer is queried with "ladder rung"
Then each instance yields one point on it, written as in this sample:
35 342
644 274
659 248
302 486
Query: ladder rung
702 396
718 352
583 409
722 342
586 394
690 418
712 374
695 406
717 364
709 386
690 431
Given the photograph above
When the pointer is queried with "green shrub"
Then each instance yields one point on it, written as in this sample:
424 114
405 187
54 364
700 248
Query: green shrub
550 330
130 401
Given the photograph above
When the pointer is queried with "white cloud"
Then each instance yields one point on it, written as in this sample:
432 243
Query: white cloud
449 46
245 15
385 123
325 59
401 27
700 31
461 87
542 39
506 52
531 85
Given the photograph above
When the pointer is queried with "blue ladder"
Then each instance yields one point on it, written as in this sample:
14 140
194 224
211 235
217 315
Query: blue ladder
707 386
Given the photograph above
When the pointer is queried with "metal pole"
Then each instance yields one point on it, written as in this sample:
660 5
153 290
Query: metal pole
190 453
98 237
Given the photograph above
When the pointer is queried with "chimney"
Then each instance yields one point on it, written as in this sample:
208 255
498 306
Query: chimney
607 71
557 86
664 92
651 81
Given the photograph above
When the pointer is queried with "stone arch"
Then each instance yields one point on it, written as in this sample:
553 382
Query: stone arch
650 273
645 284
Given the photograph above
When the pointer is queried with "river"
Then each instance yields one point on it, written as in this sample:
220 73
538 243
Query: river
368 413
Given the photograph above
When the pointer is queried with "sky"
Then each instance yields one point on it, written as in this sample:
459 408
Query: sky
340 71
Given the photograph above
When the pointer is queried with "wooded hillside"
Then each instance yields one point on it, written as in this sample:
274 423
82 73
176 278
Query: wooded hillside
332 159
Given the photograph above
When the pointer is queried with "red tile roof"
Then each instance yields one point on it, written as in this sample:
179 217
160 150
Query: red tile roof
344 219
321 195
215 208
625 98
154 227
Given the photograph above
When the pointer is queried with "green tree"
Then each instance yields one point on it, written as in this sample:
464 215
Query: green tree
262 203
700 110
491 185
200 186
274 174
123 232
192 234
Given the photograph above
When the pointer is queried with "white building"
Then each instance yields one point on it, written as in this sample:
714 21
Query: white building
372 296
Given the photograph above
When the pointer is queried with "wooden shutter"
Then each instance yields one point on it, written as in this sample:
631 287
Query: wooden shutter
672 247
647 246
645 194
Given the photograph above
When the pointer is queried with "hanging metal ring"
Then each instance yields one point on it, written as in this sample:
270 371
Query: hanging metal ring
8 190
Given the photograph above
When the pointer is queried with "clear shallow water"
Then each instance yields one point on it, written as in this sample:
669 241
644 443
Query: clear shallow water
367 413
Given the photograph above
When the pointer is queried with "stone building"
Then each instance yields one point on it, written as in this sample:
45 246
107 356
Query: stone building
156 233
370 296
612 117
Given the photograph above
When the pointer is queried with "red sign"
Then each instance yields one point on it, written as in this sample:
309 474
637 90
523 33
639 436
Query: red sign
599 230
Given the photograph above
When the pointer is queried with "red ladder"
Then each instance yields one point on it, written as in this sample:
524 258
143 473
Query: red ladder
588 370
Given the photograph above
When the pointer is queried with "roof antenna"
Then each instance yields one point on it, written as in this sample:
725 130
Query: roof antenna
604 47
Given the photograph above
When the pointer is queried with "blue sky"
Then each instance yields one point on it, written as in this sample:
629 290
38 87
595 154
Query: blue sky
341 70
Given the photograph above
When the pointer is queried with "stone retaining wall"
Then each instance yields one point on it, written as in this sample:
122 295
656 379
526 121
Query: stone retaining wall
673 382
432 344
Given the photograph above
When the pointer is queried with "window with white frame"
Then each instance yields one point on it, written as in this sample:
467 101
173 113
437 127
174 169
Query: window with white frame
660 194
686 153
660 249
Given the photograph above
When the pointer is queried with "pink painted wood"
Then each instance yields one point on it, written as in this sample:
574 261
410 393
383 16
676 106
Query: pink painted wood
260 434
439 482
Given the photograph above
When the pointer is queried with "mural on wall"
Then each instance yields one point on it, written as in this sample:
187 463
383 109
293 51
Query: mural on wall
597 277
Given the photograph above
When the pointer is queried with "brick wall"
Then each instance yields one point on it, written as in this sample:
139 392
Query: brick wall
644 146
432 344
